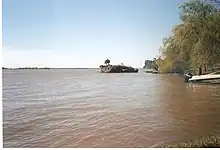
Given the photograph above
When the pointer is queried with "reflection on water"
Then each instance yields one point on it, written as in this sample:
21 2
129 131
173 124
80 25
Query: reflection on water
84 108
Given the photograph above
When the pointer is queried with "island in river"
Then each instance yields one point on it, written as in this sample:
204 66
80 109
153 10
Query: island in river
107 68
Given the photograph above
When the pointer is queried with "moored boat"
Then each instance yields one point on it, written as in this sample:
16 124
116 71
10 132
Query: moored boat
198 78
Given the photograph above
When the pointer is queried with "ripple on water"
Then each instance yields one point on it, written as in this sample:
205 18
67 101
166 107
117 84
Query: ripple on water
73 108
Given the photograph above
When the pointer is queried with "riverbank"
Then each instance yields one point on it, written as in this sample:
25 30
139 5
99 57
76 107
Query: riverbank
204 142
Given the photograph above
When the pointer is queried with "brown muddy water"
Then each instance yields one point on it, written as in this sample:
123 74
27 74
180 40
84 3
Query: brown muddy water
84 108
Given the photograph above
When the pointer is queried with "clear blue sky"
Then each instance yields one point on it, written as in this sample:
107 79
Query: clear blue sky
83 33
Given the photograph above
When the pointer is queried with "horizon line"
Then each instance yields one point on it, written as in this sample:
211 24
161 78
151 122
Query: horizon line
45 68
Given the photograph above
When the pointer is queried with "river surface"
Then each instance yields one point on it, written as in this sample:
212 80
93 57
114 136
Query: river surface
85 108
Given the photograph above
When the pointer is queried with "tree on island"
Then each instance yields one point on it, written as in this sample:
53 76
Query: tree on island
107 61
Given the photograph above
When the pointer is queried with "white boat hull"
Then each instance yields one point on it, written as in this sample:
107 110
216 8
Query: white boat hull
215 76
205 77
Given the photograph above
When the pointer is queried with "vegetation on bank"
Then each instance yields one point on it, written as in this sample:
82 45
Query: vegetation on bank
151 64
204 142
195 43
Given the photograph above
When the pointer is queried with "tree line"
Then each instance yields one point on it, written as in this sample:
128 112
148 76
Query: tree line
194 43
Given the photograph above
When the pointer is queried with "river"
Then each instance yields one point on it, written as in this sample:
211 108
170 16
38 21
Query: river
85 108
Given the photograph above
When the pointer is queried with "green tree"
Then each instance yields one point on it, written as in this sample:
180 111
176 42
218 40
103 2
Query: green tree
196 41
151 64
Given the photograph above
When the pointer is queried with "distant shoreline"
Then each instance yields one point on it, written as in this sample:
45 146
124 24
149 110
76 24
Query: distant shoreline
3 68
